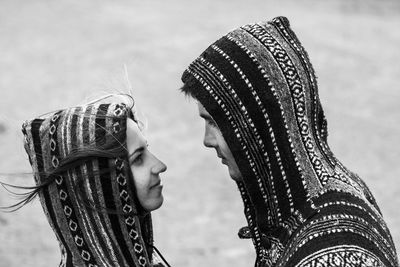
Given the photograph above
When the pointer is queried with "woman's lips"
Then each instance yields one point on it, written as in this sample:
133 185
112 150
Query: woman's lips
158 183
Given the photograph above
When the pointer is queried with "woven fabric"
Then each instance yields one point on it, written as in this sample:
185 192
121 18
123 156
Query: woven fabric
91 205
303 207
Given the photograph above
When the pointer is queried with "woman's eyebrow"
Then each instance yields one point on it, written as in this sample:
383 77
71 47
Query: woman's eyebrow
137 150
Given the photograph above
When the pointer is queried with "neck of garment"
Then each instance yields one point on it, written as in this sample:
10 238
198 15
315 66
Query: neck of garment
259 86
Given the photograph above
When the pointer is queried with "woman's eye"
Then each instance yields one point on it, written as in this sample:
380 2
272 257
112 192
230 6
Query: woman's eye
138 160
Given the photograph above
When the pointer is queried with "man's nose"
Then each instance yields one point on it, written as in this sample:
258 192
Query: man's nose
209 138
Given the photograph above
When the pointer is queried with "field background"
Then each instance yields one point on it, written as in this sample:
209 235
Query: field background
55 54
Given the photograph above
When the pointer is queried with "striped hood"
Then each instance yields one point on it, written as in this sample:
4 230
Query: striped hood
89 200
258 84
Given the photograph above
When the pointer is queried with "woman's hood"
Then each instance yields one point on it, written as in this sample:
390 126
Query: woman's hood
91 207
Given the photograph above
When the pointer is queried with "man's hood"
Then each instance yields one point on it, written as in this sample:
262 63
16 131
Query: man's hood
258 84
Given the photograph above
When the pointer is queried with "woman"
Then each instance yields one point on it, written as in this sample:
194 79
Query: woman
97 182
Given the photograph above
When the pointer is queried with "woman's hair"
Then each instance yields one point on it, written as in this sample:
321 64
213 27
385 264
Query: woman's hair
106 145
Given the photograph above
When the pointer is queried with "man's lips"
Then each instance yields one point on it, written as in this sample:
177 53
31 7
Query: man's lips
220 156
223 159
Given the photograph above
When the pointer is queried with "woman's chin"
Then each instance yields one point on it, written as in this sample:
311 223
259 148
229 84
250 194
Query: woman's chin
154 203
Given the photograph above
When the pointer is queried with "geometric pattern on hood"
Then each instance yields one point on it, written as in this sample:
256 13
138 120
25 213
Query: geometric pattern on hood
258 85
79 159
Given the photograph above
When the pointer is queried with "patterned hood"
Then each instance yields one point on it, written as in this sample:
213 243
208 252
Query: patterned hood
79 157
258 84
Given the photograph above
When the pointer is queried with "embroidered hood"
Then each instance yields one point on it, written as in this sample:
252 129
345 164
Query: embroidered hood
79 155
258 84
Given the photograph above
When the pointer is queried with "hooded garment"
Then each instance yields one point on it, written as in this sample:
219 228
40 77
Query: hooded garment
303 207
91 205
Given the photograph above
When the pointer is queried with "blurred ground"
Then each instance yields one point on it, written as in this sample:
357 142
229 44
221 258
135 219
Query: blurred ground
55 54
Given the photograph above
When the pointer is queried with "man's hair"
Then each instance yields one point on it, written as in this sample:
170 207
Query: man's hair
187 90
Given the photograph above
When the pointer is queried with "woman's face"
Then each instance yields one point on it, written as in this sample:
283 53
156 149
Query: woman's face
145 167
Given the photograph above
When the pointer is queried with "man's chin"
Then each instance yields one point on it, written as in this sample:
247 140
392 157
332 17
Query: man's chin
235 176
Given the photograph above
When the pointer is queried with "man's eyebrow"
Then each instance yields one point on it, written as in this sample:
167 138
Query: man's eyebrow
138 150
206 117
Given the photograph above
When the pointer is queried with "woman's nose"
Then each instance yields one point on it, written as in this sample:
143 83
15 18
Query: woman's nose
159 167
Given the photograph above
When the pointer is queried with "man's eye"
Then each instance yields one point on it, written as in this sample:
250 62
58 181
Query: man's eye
211 123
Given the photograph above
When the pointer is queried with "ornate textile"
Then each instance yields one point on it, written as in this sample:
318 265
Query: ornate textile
91 204
303 207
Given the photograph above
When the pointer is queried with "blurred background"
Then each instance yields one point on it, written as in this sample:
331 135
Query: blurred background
55 54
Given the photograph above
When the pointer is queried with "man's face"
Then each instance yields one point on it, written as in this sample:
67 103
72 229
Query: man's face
213 138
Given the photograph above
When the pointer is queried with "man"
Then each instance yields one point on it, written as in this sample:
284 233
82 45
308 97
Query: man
257 91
